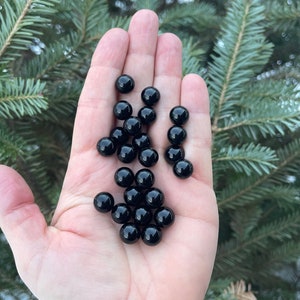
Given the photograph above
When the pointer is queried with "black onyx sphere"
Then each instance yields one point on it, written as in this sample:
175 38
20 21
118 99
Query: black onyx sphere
150 95
183 168
122 110
147 115
148 157
124 84
118 135
132 125
142 215
133 196
126 153
179 115
104 202
144 178
154 198
121 213
164 217
151 235
129 233
106 146
176 135
174 153
141 141
124 177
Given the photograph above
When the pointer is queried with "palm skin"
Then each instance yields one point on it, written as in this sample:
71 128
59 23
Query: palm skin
80 255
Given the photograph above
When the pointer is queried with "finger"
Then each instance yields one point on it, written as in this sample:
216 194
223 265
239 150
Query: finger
20 218
139 65
94 118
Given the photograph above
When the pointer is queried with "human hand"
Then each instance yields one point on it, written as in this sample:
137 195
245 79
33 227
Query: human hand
80 255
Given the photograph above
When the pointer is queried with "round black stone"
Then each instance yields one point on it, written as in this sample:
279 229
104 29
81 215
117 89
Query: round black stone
129 233
164 217
142 215
154 198
147 115
104 202
179 115
133 196
183 169
151 235
132 125
122 110
144 178
124 177
121 213
174 153
124 84
119 135
106 146
150 95
126 153
176 135
148 157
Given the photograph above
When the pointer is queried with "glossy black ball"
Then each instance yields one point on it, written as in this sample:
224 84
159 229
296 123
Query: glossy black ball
119 135
104 202
133 196
132 126
144 178
148 157
176 135
122 110
183 169
141 141
124 84
154 198
142 215
126 153
124 177
150 96
147 115
129 233
106 146
174 153
179 115
121 213
151 235
164 216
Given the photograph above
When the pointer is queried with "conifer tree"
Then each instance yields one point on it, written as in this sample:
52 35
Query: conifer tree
248 53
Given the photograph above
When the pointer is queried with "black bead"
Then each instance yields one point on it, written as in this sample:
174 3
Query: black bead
164 216
106 146
179 115
124 84
126 153
148 157
174 153
119 135
121 213
154 198
141 141
150 95
142 215
129 233
124 177
133 196
147 115
144 178
151 235
176 135
104 202
132 125
122 110
183 168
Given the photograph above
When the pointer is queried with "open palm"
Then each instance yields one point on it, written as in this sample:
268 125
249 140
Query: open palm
80 256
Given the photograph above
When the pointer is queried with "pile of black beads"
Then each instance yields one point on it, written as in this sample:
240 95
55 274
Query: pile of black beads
142 214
